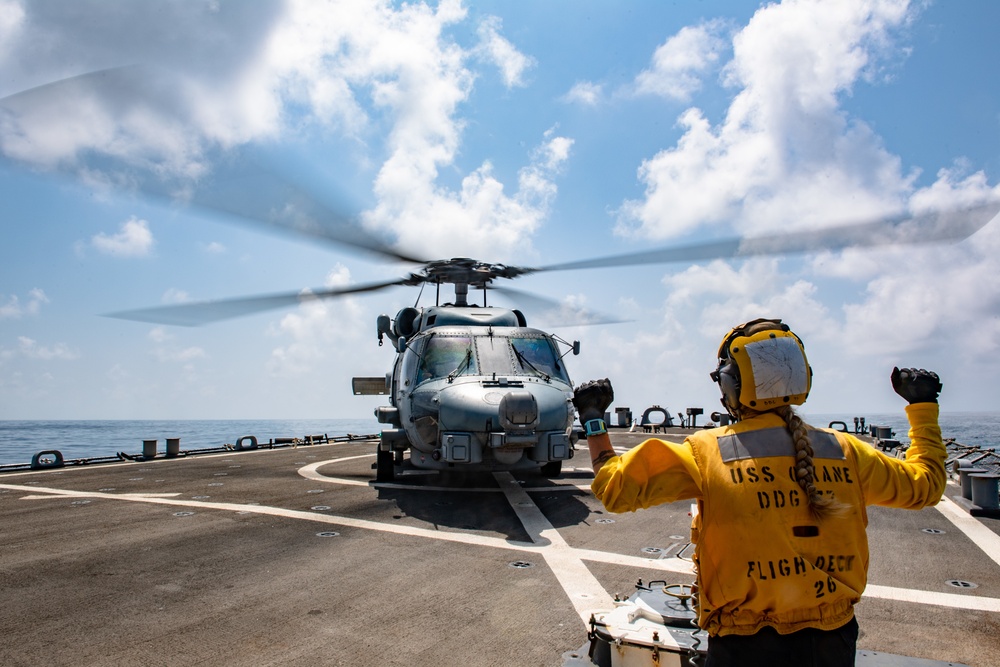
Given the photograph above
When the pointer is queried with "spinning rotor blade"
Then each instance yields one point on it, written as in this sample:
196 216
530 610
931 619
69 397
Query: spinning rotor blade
257 195
239 186
206 312
548 306
935 227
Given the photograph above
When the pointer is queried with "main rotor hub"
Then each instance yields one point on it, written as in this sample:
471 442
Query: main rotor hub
462 271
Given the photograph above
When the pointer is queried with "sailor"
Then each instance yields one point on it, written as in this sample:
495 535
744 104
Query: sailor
781 551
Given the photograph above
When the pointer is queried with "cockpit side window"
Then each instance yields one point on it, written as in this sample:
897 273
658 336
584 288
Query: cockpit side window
535 355
445 355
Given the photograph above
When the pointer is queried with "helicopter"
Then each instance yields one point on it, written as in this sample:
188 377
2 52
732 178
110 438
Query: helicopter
472 387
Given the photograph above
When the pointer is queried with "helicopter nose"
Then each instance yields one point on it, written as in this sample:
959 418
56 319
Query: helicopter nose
518 411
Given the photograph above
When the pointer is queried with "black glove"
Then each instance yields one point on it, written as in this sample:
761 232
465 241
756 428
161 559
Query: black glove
916 385
593 398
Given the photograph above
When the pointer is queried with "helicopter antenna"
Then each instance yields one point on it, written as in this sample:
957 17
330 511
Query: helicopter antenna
419 294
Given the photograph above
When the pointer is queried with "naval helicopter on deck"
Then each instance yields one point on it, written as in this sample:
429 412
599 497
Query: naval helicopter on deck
472 387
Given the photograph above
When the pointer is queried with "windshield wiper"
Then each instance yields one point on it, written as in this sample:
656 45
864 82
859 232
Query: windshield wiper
524 360
464 364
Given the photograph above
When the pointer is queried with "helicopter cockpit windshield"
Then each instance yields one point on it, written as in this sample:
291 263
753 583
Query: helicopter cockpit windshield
446 355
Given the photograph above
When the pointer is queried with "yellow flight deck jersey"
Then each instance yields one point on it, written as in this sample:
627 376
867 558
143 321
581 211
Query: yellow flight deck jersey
762 559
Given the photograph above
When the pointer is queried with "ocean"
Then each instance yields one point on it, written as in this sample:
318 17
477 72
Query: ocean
20 440
981 429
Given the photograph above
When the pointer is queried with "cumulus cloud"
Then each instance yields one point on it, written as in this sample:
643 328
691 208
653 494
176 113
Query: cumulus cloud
480 218
165 351
316 330
587 93
786 154
179 355
133 240
279 68
14 309
205 93
498 50
11 21
30 349
214 248
174 295
680 63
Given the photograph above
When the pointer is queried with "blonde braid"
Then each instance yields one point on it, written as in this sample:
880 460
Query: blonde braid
821 506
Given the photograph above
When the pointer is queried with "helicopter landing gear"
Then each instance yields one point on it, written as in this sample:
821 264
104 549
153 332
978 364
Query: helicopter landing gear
385 466
552 469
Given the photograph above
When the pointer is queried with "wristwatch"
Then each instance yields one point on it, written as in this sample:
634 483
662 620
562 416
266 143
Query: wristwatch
595 427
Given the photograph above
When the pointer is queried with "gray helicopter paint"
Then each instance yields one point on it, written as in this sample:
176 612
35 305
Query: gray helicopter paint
476 417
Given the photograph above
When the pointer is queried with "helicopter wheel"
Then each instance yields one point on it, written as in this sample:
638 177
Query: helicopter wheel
385 470
552 469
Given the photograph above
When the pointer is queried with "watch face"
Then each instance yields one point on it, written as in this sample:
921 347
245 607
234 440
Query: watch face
595 427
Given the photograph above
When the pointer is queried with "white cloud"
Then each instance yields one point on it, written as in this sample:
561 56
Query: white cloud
585 92
134 240
317 331
480 218
174 295
215 248
166 352
353 65
208 92
179 356
339 276
30 349
158 335
785 150
14 309
495 48
553 154
416 78
11 22
680 62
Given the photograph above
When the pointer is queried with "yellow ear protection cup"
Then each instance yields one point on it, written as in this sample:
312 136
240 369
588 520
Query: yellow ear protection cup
762 365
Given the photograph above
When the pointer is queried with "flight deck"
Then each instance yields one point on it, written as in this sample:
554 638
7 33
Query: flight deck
296 556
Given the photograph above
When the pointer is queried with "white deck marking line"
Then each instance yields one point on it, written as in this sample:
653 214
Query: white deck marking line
665 564
954 600
312 472
84 494
981 536
585 593
465 538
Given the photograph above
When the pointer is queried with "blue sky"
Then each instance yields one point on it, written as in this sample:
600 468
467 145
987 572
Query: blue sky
523 133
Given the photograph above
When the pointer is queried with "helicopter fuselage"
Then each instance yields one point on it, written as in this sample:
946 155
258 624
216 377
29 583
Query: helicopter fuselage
474 389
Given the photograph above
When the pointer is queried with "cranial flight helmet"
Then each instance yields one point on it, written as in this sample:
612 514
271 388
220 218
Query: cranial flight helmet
762 366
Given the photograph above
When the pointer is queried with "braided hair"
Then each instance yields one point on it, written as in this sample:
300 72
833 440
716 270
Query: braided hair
821 505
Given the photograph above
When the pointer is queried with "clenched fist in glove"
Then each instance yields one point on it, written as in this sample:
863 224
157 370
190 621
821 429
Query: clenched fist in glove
916 385
593 398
